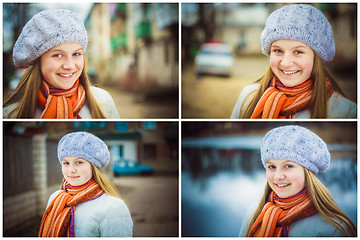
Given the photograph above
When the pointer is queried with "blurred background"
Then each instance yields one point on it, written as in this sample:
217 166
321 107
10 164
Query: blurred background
211 92
222 174
132 52
144 167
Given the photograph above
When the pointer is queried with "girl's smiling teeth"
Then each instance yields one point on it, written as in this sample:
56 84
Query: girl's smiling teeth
66 74
282 185
289 72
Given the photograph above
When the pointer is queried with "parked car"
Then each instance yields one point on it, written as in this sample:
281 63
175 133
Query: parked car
214 58
130 167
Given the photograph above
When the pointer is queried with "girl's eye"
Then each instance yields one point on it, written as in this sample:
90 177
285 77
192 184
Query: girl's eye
79 162
65 163
298 52
271 167
277 51
77 54
288 166
57 55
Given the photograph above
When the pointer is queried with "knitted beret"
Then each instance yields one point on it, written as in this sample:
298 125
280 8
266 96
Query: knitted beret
296 144
84 145
303 23
46 30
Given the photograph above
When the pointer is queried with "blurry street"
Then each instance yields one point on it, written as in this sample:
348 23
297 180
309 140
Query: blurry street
215 97
153 204
135 105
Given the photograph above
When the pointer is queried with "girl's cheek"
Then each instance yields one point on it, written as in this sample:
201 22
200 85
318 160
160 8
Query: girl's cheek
274 61
268 176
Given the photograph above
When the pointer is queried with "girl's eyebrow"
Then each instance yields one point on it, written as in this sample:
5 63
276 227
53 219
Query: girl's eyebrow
77 158
286 162
60 50
299 46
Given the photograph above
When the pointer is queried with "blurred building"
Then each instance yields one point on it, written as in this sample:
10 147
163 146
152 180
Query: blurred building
241 24
134 45
33 173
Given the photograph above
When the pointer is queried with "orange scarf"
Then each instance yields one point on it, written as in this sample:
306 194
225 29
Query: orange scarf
279 101
61 103
279 213
58 219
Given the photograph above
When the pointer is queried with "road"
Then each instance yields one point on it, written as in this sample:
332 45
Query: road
215 97
153 204
132 105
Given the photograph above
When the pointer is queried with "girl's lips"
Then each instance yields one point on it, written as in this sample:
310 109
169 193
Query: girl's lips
73 176
282 185
290 72
66 75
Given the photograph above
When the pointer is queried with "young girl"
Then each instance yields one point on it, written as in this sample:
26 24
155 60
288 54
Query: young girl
87 205
55 85
298 39
295 203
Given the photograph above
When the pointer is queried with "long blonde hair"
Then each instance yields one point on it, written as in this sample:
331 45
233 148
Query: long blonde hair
319 101
104 182
26 93
323 202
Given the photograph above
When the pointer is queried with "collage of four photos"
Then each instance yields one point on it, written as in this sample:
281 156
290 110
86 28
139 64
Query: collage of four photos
180 119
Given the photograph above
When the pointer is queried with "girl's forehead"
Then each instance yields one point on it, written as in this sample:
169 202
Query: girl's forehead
289 43
74 46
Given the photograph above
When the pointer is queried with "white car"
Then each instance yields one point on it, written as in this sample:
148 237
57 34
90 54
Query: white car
214 58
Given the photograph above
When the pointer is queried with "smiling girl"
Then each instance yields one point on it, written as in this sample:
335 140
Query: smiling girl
295 203
299 39
87 205
55 84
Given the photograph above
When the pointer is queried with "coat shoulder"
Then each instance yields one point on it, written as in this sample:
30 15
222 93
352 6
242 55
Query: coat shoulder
244 100
314 226
105 102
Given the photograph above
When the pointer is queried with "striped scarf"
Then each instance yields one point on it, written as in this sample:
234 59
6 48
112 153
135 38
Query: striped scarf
58 219
279 213
279 101
58 103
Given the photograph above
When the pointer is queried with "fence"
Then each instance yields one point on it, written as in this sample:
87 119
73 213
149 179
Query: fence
31 174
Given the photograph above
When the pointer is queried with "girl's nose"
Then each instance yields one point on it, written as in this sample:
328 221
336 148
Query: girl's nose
279 175
68 64
72 169
286 61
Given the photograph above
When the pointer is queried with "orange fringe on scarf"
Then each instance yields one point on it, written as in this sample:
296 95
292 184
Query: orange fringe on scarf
61 103
58 219
279 213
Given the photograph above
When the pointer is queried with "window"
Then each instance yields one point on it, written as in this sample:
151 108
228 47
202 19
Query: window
149 125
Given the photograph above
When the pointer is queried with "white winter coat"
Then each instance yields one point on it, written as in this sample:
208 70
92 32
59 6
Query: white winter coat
105 216
338 106
314 226
102 97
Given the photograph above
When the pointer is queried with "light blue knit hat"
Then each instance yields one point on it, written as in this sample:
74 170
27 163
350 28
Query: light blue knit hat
46 30
296 144
303 23
84 145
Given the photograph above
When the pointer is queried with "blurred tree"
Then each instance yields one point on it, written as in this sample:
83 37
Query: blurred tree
15 16
207 20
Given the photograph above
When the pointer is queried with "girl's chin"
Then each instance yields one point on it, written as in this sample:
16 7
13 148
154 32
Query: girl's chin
291 82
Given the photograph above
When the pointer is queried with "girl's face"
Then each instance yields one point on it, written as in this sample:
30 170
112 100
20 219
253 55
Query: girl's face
62 65
286 178
77 171
291 61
